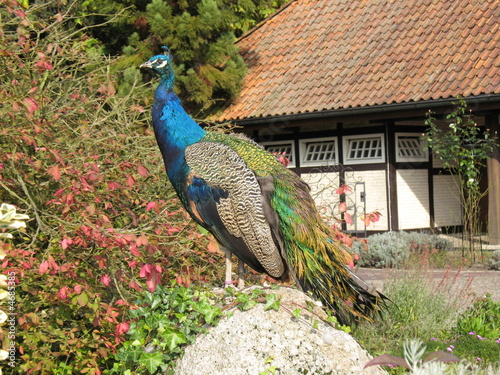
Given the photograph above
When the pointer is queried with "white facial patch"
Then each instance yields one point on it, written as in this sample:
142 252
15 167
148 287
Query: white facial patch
160 63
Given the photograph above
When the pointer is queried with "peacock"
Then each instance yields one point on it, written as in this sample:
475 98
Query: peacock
255 207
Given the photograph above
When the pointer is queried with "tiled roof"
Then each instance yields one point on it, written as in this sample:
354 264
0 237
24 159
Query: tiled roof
317 55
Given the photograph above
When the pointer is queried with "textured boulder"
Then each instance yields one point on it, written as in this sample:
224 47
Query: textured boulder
253 341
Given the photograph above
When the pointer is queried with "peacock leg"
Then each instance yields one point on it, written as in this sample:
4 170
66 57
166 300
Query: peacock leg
241 274
229 266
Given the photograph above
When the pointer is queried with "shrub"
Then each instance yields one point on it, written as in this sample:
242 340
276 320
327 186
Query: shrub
394 249
494 261
82 162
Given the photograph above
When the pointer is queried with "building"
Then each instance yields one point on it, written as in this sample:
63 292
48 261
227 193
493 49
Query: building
343 87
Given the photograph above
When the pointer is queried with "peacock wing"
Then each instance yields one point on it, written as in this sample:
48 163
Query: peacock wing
225 195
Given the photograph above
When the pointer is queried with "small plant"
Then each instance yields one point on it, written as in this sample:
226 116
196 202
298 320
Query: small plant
494 261
271 370
483 318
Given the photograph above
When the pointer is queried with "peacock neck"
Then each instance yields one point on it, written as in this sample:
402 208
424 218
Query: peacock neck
174 128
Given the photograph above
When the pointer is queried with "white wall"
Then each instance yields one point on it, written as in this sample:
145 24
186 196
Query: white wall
413 199
447 208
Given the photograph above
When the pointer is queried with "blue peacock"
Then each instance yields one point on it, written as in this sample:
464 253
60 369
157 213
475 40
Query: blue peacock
254 206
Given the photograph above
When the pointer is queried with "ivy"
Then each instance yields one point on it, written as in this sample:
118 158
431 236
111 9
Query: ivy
163 323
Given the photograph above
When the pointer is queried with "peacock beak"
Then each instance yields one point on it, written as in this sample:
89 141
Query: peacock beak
146 65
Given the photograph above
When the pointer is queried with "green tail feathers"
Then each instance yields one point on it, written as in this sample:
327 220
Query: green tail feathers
318 263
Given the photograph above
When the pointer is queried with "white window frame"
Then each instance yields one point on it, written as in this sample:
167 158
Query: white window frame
346 141
288 143
315 163
402 159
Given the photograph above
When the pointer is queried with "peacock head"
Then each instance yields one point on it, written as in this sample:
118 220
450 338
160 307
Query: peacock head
161 65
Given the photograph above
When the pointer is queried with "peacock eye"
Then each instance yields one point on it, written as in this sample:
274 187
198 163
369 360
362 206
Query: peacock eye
161 63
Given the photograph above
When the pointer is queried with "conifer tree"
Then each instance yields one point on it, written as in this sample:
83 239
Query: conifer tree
201 35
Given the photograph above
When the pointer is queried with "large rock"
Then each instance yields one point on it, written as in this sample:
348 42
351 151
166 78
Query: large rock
253 341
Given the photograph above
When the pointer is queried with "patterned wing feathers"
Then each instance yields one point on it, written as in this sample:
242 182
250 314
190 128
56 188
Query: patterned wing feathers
242 210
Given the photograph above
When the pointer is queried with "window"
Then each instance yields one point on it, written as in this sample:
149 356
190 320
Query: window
318 151
364 149
281 148
410 147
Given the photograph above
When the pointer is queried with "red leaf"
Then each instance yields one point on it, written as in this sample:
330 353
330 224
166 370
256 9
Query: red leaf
30 104
152 281
122 328
113 185
130 181
55 172
343 189
106 280
143 171
150 206
44 267
142 240
343 207
20 13
387 360
63 293
66 242
43 65
145 270
348 218
441 356
134 250
138 108
133 284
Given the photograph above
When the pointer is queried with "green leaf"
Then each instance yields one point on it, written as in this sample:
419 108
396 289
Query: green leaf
246 302
209 312
272 302
173 338
131 354
83 299
151 361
